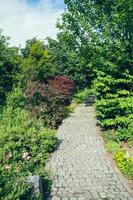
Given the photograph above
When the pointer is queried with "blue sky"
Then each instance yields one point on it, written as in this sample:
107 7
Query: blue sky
56 3
33 1
25 19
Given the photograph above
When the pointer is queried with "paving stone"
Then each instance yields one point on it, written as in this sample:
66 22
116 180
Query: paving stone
55 198
80 166
103 195
73 198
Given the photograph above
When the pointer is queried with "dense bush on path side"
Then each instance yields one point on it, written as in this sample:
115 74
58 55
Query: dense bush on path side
24 146
49 101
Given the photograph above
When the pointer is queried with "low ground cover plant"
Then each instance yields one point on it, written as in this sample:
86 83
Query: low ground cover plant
114 144
26 137
125 162
24 146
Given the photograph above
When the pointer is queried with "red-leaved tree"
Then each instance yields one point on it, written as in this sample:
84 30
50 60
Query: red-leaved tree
49 100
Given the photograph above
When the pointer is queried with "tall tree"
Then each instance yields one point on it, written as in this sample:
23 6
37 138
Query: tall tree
103 28
10 60
68 60
104 33
37 63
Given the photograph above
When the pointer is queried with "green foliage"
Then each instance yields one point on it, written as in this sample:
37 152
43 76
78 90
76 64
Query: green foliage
46 96
68 60
95 43
82 95
108 136
9 68
106 27
16 98
124 162
112 146
119 135
114 100
36 64
103 31
125 134
27 146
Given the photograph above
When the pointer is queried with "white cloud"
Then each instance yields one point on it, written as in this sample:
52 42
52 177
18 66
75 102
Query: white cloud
23 21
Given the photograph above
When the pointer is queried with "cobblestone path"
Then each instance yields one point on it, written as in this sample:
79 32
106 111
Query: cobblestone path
80 166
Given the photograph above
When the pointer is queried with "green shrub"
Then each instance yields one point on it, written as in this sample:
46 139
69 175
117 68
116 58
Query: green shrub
24 147
119 135
112 146
36 63
114 102
125 134
117 122
82 95
124 162
108 136
16 98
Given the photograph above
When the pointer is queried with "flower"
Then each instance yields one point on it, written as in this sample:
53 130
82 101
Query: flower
25 155
7 167
9 155
28 158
